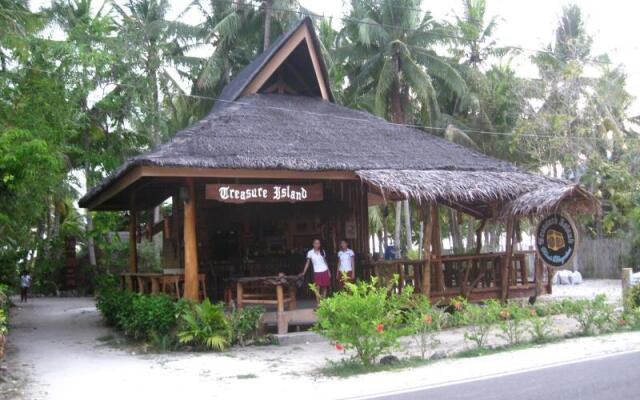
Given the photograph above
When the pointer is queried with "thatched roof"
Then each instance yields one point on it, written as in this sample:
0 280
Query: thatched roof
302 133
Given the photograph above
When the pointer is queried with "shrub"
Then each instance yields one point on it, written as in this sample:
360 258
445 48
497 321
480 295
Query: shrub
246 325
425 321
540 327
512 322
631 319
632 297
204 325
364 318
148 315
455 310
480 319
109 298
594 316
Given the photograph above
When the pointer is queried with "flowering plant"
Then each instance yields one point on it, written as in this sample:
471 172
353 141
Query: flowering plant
425 320
364 318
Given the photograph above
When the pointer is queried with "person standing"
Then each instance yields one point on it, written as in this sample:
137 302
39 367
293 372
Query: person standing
321 274
25 284
346 265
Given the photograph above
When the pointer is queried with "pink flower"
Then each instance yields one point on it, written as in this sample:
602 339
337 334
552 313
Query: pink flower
339 347
428 319
457 306
504 314
380 328
534 313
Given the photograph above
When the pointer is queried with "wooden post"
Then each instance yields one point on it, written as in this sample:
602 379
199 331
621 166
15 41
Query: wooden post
133 241
626 284
506 262
239 295
190 244
280 298
292 297
539 274
426 249
436 244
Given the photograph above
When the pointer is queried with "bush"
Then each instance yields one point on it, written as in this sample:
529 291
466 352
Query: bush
109 298
364 318
148 316
480 319
540 327
632 297
512 322
246 325
425 321
594 316
204 325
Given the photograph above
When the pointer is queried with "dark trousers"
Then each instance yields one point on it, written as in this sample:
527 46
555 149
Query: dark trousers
24 293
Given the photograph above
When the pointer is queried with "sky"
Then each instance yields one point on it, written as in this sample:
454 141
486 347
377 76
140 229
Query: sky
530 24
527 24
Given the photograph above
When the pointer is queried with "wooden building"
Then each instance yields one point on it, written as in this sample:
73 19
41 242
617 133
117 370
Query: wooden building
278 162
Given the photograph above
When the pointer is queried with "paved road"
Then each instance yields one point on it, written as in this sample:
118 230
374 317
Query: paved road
612 378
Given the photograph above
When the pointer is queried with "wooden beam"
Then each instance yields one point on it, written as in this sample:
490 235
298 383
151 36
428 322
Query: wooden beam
315 59
116 187
190 244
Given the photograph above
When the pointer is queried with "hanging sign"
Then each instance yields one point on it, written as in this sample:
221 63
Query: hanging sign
556 240
264 193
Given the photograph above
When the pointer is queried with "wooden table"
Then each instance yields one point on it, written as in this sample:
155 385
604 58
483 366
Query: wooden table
278 283
160 282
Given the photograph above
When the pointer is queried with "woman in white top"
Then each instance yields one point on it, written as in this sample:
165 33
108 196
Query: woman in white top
346 265
321 274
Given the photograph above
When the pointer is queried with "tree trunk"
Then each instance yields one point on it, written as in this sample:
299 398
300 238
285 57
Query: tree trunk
268 13
454 227
471 225
398 228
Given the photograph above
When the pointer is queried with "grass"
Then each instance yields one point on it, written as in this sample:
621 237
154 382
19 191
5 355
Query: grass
350 367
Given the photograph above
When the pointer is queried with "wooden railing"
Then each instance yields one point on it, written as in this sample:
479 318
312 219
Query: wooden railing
475 277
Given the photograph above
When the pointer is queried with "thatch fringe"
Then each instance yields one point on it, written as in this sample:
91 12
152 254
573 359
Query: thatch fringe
521 193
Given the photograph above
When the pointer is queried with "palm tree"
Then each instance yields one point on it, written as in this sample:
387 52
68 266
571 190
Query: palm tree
16 22
387 48
238 32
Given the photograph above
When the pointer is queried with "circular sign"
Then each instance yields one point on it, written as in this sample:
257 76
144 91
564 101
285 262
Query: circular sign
556 240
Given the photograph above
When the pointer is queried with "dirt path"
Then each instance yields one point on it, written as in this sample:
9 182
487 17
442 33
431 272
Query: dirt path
60 345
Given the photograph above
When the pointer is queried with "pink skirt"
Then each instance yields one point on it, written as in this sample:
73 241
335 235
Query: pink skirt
322 279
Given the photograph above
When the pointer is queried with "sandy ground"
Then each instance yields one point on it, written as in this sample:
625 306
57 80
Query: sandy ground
59 346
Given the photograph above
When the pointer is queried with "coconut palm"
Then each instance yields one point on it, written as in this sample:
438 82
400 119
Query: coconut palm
388 51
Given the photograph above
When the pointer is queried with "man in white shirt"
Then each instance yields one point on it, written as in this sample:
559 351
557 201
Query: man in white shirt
25 284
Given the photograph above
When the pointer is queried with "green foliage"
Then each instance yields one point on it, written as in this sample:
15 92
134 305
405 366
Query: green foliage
365 318
425 322
594 316
480 319
148 315
632 297
512 322
246 325
149 256
205 325
4 310
138 316
540 327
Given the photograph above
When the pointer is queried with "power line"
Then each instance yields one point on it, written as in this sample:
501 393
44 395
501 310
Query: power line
364 120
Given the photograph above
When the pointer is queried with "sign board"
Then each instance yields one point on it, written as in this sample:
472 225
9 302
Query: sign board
350 229
556 240
263 193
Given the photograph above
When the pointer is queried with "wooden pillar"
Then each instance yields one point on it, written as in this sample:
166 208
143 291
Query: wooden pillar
426 249
190 244
133 241
436 244
506 262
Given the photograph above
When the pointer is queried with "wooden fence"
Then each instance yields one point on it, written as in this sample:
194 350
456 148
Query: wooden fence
601 258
